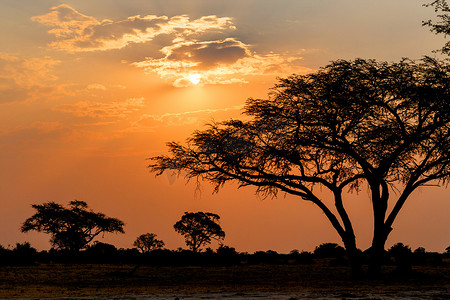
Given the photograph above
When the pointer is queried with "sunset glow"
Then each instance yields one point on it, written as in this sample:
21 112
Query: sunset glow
195 78
90 89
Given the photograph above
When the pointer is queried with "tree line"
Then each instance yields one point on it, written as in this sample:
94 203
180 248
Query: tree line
72 231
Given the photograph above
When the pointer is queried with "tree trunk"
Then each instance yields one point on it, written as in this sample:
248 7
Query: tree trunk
380 196
376 257
354 256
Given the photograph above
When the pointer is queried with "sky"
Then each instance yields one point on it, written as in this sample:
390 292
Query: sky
90 89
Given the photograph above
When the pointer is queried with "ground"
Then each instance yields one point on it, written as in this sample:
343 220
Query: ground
296 281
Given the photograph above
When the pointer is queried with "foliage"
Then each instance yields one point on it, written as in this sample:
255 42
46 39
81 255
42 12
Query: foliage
402 256
443 25
24 249
99 248
329 250
399 249
199 228
226 250
148 242
384 125
71 228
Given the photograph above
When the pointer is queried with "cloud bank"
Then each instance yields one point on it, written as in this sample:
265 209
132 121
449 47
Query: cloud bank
201 47
217 62
76 32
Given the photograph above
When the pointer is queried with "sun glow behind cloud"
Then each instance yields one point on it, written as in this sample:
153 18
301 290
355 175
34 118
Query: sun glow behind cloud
220 62
195 78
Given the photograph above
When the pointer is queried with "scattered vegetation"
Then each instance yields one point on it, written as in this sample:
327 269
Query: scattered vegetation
399 255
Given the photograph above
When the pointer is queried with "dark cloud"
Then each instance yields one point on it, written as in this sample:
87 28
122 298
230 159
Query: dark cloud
209 54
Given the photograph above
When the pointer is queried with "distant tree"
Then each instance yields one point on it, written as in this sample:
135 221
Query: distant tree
420 250
352 124
419 256
399 249
24 254
71 228
101 250
199 229
148 242
226 250
329 250
447 250
24 249
443 25
402 256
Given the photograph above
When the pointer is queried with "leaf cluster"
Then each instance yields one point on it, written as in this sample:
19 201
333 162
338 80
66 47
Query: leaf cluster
442 26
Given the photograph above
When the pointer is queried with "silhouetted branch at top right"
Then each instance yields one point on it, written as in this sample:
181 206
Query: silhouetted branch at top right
442 26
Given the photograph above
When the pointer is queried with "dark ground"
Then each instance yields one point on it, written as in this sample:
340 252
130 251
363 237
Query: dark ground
295 281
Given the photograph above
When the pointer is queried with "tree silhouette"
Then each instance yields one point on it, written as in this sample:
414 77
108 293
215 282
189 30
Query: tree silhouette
329 250
148 242
199 228
443 25
352 124
71 228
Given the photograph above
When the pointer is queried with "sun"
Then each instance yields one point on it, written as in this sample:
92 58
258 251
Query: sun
195 78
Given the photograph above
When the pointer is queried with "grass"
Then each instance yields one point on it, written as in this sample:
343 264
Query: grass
63 280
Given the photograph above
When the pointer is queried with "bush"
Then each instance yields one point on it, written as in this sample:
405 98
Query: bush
402 256
328 250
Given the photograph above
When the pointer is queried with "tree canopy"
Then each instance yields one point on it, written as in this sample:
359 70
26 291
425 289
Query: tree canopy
71 228
199 229
147 242
384 125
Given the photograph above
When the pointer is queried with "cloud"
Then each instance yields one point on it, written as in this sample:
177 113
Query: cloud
25 78
217 62
148 122
22 137
96 86
76 32
27 72
100 110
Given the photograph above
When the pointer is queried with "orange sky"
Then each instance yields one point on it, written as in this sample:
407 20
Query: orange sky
90 89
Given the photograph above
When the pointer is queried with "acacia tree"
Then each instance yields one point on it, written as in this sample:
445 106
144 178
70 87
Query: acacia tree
71 228
199 228
352 124
442 26
148 242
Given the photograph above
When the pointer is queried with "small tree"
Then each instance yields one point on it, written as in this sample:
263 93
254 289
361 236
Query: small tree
148 242
199 228
71 228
